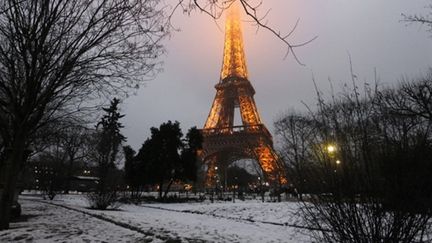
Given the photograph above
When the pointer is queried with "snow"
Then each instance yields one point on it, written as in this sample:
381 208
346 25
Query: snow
47 223
250 221
283 213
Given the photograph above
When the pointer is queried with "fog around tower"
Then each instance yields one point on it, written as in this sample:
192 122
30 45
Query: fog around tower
370 31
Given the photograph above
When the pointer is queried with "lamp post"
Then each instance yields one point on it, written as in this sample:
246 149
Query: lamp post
331 150
225 178
216 179
235 188
261 189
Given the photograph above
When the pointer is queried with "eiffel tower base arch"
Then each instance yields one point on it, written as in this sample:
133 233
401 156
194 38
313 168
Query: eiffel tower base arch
221 148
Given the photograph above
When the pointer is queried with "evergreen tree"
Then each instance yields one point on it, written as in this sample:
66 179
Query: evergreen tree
190 153
109 140
165 157
133 172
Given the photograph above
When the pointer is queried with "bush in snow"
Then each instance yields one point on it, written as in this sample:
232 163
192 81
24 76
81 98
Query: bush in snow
103 201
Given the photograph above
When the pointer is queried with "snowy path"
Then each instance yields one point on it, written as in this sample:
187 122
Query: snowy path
48 223
222 222
218 222
264 213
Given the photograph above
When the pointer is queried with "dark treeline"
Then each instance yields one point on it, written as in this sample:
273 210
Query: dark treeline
67 155
364 159
94 157
164 158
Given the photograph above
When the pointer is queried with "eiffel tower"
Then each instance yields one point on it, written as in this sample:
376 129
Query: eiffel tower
225 143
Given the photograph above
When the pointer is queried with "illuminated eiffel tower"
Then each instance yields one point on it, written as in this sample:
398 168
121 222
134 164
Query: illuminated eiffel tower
225 143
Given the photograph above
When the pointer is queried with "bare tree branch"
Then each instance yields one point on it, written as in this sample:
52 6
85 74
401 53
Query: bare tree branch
215 9
425 20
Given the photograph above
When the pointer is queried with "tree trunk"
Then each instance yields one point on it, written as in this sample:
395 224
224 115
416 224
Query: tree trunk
279 191
8 181
103 174
168 187
160 190
69 174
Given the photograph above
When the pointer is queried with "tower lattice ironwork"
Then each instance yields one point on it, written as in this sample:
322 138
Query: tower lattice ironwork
224 142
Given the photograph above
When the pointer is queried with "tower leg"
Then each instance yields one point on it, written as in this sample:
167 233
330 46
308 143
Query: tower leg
270 164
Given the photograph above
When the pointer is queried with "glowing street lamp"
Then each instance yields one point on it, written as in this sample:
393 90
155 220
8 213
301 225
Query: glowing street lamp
331 149
338 162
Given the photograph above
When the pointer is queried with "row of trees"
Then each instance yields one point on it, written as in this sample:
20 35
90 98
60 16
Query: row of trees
365 161
59 58
55 162
164 158
66 150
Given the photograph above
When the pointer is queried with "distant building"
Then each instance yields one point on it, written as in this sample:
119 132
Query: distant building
41 175
83 183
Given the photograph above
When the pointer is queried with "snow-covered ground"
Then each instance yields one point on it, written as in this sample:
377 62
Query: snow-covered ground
250 221
48 223
283 213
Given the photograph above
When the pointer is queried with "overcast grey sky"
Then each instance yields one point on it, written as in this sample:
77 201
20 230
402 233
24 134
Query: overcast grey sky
370 30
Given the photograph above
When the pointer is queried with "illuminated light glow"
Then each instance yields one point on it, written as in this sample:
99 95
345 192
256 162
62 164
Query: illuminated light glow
233 67
215 111
338 161
249 113
268 159
234 58
234 90
211 173
331 148
187 187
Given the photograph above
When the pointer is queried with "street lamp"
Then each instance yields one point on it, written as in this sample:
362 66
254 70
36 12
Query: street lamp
331 149
338 162
217 181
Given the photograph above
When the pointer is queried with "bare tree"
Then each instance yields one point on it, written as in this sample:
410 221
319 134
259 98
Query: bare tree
50 173
60 147
370 169
73 141
295 131
412 98
58 56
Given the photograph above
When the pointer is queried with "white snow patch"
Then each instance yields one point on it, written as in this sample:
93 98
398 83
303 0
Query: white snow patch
215 222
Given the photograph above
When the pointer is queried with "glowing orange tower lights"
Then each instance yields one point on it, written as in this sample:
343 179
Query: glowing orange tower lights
224 142
234 60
